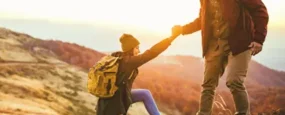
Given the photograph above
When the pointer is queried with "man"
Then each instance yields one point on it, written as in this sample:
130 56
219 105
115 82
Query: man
232 31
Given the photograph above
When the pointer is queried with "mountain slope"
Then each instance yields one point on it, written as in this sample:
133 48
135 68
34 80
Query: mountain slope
45 89
52 74
35 81
44 78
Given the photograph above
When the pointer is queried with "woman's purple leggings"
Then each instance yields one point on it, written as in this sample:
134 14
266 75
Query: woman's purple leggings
144 95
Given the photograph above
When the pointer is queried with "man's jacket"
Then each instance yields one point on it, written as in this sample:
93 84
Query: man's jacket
246 25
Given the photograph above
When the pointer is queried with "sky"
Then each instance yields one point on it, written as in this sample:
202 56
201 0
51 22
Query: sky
155 15
149 20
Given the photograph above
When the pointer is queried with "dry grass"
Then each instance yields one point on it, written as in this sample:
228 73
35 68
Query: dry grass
37 88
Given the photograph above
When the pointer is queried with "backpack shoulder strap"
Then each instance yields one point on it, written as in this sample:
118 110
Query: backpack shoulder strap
125 78
130 77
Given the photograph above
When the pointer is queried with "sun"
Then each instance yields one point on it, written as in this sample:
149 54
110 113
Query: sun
154 15
158 15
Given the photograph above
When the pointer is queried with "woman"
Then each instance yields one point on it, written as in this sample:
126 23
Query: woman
131 60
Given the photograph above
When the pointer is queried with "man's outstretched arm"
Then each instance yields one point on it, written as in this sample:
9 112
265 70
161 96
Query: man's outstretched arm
192 26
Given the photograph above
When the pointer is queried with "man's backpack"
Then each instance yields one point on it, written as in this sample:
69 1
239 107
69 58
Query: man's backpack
102 77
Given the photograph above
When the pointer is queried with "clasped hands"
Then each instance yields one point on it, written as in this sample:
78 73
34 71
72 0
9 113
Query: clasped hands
176 30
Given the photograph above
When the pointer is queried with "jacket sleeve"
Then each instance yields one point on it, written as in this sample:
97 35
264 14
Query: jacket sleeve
192 26
259 14
154 51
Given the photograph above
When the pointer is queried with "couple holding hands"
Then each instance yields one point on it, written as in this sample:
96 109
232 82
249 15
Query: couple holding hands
232 31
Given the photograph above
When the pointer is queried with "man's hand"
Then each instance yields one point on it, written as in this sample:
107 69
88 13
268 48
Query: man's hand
176 30
255 47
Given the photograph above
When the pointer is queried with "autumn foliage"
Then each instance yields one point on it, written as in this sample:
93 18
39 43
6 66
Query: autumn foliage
69 52
173 91
183 94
